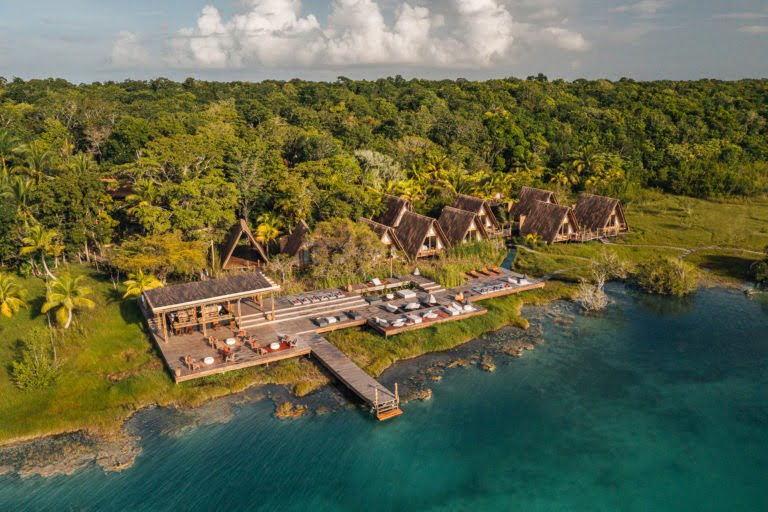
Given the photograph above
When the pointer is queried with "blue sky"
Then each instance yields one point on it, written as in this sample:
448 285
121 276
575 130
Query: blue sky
89 40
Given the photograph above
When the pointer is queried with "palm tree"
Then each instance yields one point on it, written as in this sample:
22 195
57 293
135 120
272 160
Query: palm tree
18 189
265 233
9 144
43 242
81 163
587 161
139 282
272 219
66 295
11 296
145 193
38 160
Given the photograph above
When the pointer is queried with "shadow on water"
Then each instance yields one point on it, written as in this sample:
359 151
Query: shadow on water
664 306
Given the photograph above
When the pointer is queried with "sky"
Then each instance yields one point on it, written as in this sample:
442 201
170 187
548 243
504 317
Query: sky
99 40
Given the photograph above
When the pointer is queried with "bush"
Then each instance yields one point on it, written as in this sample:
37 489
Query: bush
36 368
666 276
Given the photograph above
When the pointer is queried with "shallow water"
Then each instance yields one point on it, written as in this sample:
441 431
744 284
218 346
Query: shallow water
653 405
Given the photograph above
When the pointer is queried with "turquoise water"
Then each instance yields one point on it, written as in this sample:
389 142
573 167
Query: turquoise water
654 405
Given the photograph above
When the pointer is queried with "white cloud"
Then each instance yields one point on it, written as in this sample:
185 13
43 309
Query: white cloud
275 34
567 39
643 8
754 29
741 16
128 51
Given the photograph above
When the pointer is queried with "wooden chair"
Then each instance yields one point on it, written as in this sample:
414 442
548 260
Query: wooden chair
230 358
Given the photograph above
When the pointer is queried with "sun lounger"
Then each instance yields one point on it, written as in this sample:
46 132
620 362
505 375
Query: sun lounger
391 308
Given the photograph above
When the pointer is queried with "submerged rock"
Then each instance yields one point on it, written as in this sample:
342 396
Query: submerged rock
67 453
487 363
422 394
288 410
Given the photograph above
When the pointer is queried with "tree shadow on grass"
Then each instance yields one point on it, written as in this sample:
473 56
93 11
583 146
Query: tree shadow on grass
129 308
736 267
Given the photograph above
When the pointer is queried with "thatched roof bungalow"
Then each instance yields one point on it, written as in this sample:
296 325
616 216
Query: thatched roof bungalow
395 209
527 201
600 216
551 222
461 226
385 233
479 207
297 245
420 236
238 256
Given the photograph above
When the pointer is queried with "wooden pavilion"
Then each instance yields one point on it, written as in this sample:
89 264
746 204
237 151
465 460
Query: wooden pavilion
551 222
182 308
527 201
385 233
461 226
600 216
481 208
396 207
242 256
297 245
420 236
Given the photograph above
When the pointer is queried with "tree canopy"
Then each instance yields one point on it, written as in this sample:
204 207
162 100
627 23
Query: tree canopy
104 163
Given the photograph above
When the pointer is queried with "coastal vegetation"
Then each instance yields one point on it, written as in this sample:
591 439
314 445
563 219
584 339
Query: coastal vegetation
666 276
107 190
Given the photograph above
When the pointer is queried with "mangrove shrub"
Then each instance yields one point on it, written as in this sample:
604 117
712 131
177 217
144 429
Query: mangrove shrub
666 276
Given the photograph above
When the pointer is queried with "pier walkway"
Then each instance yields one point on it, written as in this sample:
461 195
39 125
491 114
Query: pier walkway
384 403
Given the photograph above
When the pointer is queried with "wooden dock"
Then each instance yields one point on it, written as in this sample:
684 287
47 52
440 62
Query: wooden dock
349 308
384 403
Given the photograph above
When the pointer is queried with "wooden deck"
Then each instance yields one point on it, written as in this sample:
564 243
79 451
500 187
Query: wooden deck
301 321
384 403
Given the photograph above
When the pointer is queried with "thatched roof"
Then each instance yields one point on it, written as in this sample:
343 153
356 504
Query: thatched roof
455 223
381 231
394 205
593 212
188 295
412 231
528 198
235 234
545 219
476 206
291 244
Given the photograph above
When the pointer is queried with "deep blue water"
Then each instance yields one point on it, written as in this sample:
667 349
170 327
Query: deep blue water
654 405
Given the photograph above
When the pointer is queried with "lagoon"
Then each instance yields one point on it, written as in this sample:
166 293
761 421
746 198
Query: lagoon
655 404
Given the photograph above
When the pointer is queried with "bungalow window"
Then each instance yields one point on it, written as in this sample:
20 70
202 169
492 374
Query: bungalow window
565 228
305 257
472 236
612 222
430 243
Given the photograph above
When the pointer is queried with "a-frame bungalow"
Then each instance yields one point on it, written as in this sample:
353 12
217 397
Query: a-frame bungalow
461 226
385 233
600 216
550 222
481 208
237 254
297 245
527 201
395 209
420 236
